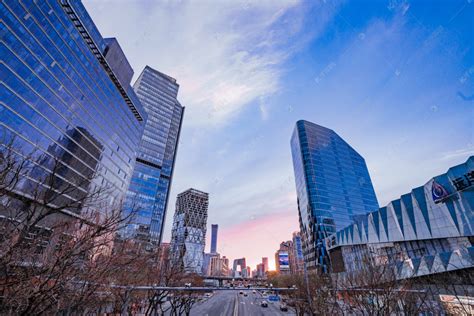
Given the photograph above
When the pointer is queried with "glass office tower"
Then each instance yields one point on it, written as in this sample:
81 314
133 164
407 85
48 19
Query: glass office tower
149 189
333 187
61 97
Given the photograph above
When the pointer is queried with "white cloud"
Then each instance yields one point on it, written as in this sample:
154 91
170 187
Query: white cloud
224 54
458 153
264 108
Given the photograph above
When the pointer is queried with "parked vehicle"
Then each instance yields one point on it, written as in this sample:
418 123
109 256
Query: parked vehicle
264 304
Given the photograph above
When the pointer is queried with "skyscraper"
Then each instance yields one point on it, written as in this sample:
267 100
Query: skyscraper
150 185
239 263
283 257
333 187
65 99
298 266
188 236
225 266
265 264
214 228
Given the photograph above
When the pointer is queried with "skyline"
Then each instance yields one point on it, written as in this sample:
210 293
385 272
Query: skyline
366 55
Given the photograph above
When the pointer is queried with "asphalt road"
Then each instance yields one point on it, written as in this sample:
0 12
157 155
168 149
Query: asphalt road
231 303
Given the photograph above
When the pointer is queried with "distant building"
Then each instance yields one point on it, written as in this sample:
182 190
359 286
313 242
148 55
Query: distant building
147 196
297 255
246 272
225 266
218 266
265 264
215 268
188 236
333 187
239 264
214 228
429 231
260 271
254 273
283 257
206 263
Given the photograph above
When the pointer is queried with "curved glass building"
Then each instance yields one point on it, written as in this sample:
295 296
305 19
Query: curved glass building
333 187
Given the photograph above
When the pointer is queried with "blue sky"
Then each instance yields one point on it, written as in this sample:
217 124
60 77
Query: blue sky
394 78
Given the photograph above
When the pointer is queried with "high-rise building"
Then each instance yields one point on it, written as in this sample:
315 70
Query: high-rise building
214 228
265 264
333 186
218 266
206 263
149 188
297 254
65 96
260 271
239 263
225 266
248 272
188 236
283 257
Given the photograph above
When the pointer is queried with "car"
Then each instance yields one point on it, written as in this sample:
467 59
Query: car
254 292
246 294
283 308
208 294
241 292
264 304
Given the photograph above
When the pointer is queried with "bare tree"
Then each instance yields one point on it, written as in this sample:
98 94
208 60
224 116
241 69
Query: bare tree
56 234
454 289
59 251
316 295
376 289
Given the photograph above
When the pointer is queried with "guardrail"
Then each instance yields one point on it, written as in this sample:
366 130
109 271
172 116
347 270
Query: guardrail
202 288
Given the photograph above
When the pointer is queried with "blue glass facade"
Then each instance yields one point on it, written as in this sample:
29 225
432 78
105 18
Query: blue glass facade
151 181
298 246
333 187
60 99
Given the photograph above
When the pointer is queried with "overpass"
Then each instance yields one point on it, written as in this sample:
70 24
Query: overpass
221 279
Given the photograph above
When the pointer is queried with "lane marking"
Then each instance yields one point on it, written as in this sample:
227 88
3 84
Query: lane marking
236 306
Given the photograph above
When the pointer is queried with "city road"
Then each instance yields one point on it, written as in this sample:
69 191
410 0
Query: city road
231 303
